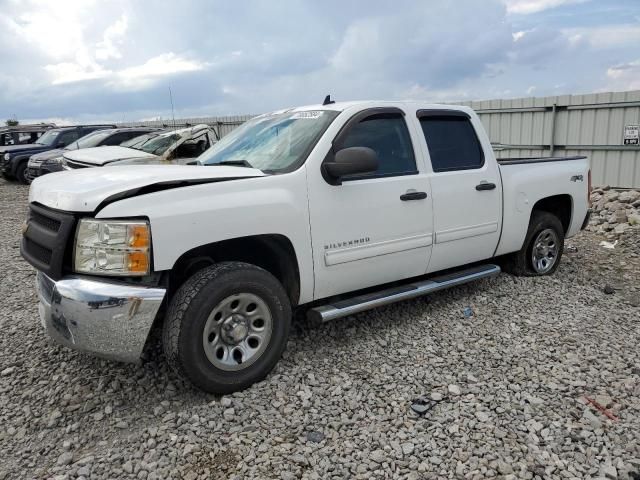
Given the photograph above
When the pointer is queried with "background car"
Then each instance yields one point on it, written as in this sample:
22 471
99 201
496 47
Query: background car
14 158
179 146
51 161
23 134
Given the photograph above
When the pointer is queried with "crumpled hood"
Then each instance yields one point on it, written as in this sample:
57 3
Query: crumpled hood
83 190
99 156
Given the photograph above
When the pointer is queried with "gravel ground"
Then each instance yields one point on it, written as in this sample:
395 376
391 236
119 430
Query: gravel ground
511 381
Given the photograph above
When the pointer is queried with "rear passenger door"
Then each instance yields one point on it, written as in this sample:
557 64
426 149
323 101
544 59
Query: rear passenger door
374 228
467 192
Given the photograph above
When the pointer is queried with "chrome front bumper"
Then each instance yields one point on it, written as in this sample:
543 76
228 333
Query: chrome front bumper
110 320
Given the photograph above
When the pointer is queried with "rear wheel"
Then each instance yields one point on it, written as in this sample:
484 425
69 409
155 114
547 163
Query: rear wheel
542 248
227 327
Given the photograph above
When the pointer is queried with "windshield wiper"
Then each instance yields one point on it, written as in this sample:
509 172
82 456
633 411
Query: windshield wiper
234 163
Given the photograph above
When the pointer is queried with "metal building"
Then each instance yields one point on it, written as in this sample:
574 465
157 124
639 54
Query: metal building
594 125
221 125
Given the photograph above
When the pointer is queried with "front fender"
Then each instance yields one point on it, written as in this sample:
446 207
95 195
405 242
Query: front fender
185 218
17 160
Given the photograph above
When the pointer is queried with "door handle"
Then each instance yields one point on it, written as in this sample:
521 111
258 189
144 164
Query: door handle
485 186
413 196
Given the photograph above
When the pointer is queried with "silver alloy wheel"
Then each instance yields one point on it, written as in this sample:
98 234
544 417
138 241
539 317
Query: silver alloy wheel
545 251
237 331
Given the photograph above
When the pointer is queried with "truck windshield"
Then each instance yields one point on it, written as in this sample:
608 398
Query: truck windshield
153 143
272 142
48 139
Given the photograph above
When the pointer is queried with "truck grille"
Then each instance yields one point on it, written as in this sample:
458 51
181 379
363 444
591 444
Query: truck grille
40 253
48 222
4 164
45 242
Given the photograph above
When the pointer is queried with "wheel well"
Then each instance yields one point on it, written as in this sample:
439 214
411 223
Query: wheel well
17 161
272 252
559 205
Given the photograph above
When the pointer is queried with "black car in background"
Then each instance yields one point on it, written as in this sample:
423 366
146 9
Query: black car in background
23 134
51 161
14 158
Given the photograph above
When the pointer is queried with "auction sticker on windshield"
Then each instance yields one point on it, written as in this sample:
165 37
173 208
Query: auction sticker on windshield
311 115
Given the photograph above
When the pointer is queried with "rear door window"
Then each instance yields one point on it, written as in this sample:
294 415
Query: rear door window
25 137
452 142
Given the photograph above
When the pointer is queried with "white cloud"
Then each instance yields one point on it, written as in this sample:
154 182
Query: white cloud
166 64
605 36
525 7
519 35
53 29
86 59
113 35
135 77
625 76
70 72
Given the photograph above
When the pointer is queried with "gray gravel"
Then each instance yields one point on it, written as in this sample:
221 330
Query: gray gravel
511 381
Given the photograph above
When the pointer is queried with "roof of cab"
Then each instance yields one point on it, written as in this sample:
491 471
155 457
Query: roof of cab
341 106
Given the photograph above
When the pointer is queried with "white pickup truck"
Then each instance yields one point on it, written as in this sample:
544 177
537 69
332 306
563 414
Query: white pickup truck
333 208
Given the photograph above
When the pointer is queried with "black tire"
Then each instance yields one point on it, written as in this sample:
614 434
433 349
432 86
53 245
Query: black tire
20 172
188 314
520 263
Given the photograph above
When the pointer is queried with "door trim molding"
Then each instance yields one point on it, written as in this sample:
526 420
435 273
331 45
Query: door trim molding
361 252
444 236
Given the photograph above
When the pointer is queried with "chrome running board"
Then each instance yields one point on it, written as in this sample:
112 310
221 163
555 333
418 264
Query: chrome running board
360 303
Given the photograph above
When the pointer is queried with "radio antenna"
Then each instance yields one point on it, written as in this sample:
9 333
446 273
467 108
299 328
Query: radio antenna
173 116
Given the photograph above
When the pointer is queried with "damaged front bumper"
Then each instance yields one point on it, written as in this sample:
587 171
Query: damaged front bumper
108 319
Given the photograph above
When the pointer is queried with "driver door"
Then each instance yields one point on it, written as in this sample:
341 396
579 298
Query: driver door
375 228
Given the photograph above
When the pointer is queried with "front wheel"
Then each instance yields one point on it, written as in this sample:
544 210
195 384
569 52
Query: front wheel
227 327
21 172
542 248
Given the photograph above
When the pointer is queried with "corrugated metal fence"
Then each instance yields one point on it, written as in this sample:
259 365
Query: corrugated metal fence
591 125
221 125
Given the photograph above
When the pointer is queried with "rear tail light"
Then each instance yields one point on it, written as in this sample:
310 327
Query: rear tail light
589 188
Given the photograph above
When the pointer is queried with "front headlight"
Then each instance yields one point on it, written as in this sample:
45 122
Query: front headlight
112 247
53 161
7 156
34 163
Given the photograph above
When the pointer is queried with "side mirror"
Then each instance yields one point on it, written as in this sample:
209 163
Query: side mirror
351 161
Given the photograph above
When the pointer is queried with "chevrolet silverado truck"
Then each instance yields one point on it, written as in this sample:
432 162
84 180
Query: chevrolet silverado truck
329 209
162 148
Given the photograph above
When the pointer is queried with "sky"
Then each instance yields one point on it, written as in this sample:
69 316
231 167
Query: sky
115 60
